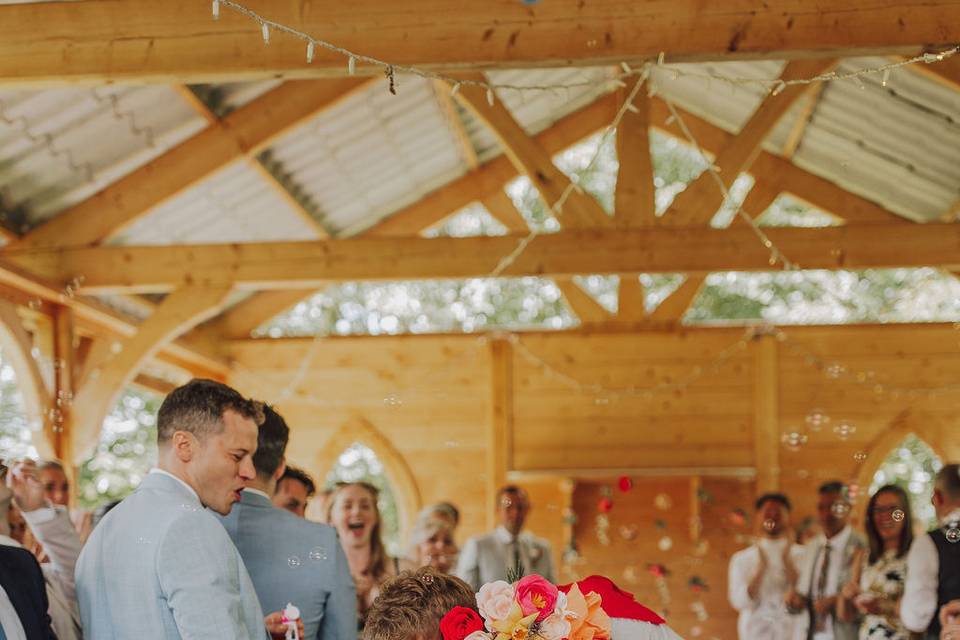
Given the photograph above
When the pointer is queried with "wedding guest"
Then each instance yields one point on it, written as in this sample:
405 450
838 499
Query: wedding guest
294 490
56 487
23 598
761 575
949 617
826 567
807 530
933 563
432 545
160 565
50 525
354 513
412 604
291 559
443 511
873 593
508 549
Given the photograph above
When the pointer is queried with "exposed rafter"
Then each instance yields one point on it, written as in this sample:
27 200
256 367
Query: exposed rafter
178 41
242 134
285 265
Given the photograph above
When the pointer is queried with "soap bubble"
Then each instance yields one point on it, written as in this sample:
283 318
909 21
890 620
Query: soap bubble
898 515
665 543
318 554
294 562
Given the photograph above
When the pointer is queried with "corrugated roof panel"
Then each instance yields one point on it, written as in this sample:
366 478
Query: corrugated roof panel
372 154
235 205
538 110
60 146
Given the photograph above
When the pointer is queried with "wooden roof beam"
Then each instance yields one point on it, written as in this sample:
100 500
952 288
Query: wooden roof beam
698 203
102 41
286 265
240 135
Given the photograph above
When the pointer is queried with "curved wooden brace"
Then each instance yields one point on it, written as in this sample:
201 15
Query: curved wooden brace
359 430
17 348
180 311
903 425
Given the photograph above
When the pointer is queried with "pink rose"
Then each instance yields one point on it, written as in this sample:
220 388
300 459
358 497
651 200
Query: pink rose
536 595
555 627
494 601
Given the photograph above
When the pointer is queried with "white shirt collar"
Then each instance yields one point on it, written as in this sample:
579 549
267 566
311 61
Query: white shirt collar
167 473
505 536
839 541
7 541
953 516
258 492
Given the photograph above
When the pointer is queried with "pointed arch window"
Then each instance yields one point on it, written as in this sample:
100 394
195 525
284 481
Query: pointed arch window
911 465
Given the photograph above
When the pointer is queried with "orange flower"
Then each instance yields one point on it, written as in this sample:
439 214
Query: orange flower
590 621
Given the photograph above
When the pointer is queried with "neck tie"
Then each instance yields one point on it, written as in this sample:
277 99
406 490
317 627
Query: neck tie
517 562
822 585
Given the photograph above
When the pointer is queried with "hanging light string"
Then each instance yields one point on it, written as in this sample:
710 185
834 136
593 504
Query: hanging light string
867 378
573 185
390 69
775 254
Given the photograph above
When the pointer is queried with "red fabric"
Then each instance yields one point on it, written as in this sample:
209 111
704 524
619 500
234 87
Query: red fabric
616 602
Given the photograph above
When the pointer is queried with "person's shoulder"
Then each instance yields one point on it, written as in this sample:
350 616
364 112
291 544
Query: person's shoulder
306 528
743 555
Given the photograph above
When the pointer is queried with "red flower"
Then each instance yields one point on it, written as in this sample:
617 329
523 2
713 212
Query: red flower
459 623
605 505
625 483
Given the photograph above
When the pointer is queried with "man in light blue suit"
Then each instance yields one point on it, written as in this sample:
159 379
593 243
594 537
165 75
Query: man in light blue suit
291 559
160 565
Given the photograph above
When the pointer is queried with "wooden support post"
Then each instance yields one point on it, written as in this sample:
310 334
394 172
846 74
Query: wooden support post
634 201
766 431
500 429
64 372
631 300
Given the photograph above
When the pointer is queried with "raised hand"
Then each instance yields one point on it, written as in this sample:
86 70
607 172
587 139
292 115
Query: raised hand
24 481
277 628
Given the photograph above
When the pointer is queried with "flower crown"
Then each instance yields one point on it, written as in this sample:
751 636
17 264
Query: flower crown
530 608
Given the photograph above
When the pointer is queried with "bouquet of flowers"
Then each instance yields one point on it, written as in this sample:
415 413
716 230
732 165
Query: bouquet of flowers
531 608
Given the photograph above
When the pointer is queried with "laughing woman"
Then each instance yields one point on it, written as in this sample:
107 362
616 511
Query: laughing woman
354 513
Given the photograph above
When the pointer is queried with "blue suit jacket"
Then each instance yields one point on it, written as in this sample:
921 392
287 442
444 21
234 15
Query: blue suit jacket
293 560
159 565
22 579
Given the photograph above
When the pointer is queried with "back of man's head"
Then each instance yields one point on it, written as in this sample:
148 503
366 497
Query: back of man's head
272 440
411 605
198 407
947 484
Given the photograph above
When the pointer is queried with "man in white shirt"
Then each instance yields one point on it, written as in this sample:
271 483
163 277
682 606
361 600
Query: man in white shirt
826 567
761 575
933 563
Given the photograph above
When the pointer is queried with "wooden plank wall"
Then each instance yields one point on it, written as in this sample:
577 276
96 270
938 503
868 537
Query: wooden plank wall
429 398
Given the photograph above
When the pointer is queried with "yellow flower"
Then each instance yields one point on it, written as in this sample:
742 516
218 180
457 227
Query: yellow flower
515 626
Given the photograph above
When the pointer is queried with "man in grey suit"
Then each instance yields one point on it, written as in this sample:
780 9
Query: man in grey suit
827 566
160 565
508 549
289 558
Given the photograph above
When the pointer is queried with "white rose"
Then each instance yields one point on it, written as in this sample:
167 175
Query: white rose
555 627
494 601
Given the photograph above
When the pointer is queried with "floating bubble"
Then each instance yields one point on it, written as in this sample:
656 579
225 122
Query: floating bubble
817 419
428 579
769 524
142 540
629 532
116 348
294 562
840 509
860 456
318 554
844 430
702 549
793 440
665 543
696 632
392 401
451 444
600 401
898 515
952 532
835 370
663 502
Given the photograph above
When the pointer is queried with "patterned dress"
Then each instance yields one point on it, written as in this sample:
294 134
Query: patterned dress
885 578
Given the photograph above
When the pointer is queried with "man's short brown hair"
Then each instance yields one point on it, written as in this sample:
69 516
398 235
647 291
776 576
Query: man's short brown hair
412 604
